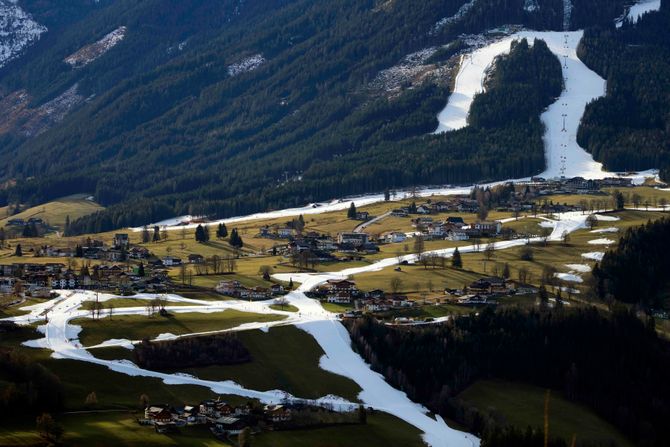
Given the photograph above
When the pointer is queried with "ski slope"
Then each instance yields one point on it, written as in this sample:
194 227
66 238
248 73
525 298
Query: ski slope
563 155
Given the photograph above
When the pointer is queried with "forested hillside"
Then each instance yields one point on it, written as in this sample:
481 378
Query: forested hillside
611 363
635 271
630 127
230 107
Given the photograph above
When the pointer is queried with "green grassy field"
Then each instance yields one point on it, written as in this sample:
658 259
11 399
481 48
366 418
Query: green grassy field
285 358
118 429
56 212
121 429
523 405
285 308
382 430
138 327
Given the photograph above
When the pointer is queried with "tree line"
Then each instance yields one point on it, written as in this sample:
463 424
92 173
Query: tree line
614 364
220 349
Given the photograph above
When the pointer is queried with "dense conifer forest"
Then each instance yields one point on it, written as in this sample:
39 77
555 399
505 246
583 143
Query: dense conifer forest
629 129
636 271
166 130
221 349
523 83
614 364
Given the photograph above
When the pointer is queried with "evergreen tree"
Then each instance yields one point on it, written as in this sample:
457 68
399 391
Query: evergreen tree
221 231
505 272
205 233
290 284
235 239
351 214
140 270
146 237
18 251
79 251
157 234
456 260
199 234
66 229
387 195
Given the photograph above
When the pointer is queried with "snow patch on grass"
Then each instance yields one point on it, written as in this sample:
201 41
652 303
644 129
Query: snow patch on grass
606 230
582 268
602 241
571 277
594 255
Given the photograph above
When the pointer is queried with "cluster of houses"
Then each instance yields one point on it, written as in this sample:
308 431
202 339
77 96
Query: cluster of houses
576 185
487 290
235 289
37 280
222 418
345 292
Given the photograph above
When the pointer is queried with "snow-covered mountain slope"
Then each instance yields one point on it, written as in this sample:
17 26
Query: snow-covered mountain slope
564 156
91 52
638 10
18 30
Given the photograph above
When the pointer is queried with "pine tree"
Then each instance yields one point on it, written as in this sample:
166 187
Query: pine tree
221 231
157 234
351 214
387 195
66 229
18 251
79 252
199 234
146 237
456 260
290 284
205 232
235 239
140 270
505 272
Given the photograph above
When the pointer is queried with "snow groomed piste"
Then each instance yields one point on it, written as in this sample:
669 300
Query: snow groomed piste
582 85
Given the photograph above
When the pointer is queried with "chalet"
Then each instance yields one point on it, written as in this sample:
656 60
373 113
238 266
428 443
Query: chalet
325 244
490 284
455 220
16 222
355 239
121 241
437 230
457 235
423 209
394 237
133 253
473 300
67 281
171 261
228 287
488 228
229 425
277 413
440 207
286 233
194 258
255 294
276 289
158 413
362 215
339 298
399 213
341 285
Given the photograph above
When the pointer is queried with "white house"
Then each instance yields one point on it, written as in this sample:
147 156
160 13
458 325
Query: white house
394 237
